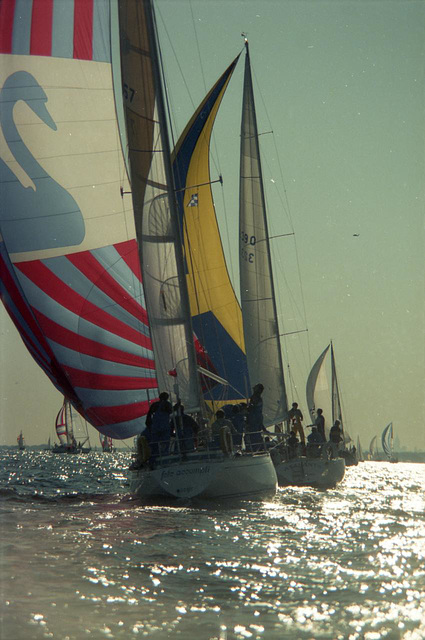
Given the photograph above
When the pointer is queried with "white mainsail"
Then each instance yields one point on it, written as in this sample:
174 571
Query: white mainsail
258 302
154 204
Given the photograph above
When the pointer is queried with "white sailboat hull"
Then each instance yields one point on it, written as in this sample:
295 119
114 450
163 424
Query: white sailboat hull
310 472
209 477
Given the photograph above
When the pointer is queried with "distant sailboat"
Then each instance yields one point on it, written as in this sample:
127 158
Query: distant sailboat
106 444
321 393
181 288
387 440
258 302
373 449
71 430
21 442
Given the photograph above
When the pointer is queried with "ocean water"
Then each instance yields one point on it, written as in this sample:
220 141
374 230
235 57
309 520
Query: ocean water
80 558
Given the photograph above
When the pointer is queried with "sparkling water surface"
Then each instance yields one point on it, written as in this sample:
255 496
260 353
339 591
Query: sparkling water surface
80 558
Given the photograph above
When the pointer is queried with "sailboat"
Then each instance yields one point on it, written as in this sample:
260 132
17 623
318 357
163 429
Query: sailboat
92 267
21 442
71 431
387 440
258 302
204 472
373 449
106 444
320 394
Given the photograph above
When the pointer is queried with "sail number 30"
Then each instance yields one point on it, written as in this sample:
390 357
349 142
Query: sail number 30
246 242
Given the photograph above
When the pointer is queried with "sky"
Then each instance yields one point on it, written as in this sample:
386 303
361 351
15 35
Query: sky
340 84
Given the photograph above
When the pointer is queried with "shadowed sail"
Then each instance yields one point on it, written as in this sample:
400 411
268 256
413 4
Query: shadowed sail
70 269
216 314
260 321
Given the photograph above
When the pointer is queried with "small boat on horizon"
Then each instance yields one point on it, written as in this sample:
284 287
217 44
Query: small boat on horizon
71 430
387 440
21 442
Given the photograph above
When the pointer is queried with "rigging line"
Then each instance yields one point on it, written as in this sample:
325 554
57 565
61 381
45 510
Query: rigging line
202 184
197 46
172 124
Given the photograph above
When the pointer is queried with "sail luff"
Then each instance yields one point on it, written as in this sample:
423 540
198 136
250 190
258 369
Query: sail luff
258 300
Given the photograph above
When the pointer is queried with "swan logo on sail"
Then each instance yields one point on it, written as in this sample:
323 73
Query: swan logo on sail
43 215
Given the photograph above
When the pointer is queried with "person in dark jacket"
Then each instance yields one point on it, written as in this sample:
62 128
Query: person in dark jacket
320 423
335 437
186 428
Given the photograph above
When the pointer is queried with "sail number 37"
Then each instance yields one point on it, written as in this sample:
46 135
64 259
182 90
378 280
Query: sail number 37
246 243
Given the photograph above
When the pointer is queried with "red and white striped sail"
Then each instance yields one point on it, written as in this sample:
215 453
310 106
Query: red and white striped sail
69 259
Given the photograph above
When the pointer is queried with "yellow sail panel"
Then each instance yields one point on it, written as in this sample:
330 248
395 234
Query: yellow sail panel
216 314
209 285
